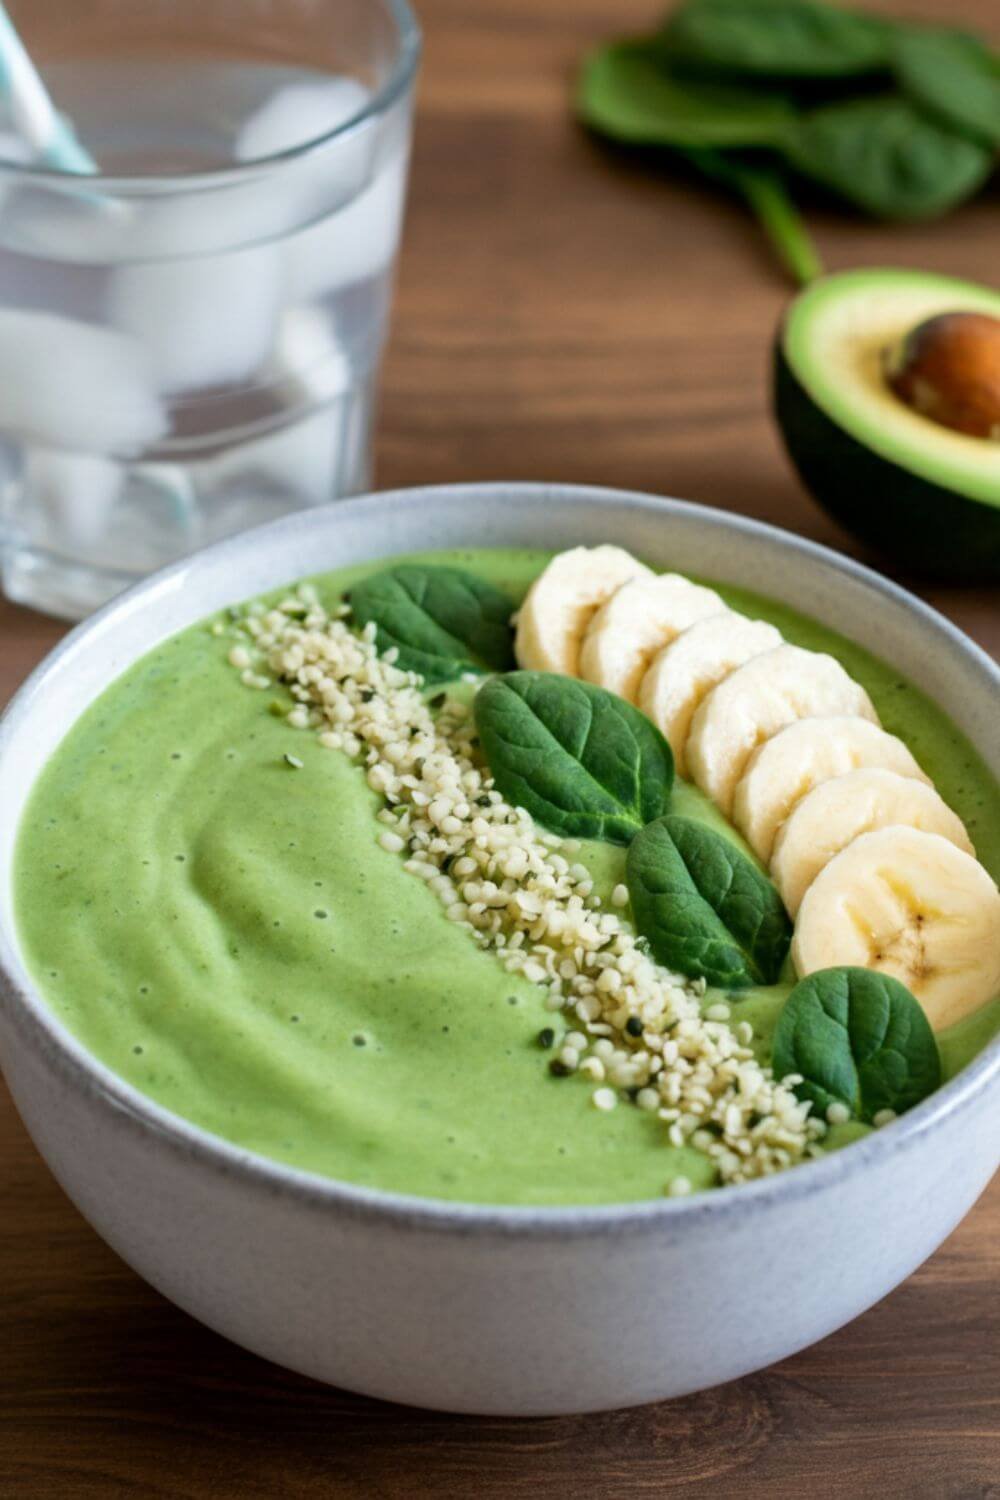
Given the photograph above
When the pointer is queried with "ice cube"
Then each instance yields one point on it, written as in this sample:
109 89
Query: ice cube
204 321
300 464
299 113
77 492
357 231
308 351
300 459
355 243
330 174
75 386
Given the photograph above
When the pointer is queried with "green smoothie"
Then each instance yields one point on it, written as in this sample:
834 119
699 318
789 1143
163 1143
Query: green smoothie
225 933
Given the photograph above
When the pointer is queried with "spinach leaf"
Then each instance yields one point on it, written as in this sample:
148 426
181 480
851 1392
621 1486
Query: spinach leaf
581 761
953 76
443 621
777 38
858 1038
705 908
725 84
626 92
888 157
767 197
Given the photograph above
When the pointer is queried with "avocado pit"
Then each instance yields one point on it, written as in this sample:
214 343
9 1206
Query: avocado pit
948 369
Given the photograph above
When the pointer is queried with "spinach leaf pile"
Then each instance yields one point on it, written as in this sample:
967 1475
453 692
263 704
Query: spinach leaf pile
900 120
857 1038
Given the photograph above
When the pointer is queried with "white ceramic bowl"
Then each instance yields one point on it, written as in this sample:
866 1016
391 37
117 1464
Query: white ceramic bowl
499 1310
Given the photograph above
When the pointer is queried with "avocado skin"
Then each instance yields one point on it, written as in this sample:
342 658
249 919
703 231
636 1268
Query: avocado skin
928 528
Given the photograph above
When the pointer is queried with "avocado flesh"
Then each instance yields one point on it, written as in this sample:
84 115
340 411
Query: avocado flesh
927 496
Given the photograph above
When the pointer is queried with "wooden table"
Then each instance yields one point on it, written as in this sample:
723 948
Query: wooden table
561 315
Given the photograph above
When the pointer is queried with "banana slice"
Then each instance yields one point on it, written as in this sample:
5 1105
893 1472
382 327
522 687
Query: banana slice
838 811
788 765
909 904
635 623
561 603
754 702
681 674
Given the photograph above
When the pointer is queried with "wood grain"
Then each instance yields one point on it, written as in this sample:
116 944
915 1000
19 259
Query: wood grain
562 314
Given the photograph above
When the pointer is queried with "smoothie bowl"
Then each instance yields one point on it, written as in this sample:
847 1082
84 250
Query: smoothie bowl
513 1018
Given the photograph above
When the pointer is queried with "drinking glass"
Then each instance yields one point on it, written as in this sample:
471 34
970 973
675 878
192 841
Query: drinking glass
189 341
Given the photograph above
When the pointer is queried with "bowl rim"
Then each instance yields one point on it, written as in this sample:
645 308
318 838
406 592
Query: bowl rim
24 1006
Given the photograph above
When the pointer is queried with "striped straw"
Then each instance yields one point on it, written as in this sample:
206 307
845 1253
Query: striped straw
35 117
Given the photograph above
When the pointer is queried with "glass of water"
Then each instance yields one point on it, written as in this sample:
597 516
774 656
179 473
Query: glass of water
189 341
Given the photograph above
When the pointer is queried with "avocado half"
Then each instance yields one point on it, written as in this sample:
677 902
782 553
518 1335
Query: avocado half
924 494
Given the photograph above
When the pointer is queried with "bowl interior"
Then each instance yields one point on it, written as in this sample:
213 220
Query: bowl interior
672 534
